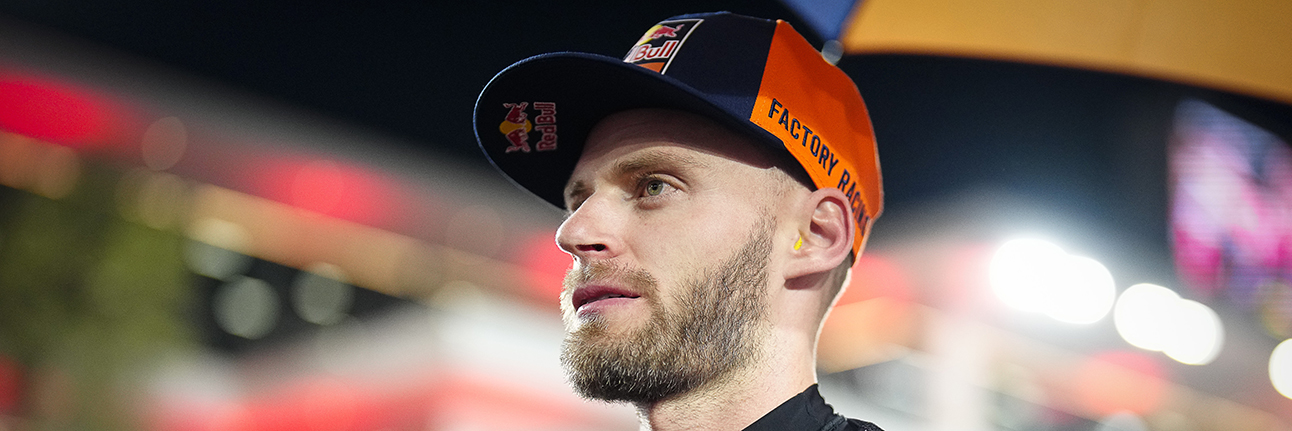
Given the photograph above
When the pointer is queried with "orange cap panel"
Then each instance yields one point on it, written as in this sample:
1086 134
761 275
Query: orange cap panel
818 114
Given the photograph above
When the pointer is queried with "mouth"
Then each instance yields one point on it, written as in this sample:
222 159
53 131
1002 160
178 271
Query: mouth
590 294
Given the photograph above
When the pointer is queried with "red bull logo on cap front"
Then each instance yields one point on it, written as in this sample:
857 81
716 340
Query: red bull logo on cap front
658 31
656 48
516 126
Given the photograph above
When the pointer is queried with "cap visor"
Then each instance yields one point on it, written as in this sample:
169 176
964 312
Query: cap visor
585 88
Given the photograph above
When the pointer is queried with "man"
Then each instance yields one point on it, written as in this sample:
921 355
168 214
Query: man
719 181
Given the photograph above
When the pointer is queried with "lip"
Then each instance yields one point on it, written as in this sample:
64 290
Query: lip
594 293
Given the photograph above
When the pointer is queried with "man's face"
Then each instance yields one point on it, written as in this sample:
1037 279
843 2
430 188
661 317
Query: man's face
671 231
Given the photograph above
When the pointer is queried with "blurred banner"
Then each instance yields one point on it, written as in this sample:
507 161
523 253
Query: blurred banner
1233 46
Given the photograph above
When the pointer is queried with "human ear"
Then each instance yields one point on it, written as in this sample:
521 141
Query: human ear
826 230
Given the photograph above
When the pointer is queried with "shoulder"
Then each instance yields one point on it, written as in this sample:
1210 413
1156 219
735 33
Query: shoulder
859 425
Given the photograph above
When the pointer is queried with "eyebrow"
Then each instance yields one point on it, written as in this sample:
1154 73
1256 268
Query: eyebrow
639 163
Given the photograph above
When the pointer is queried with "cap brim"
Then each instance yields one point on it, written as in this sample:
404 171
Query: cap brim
585 88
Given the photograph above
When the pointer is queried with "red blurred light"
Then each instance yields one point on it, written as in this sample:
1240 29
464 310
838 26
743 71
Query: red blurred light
329 188
1116 381
545 265
319 403
53 111
434 400
10 384
966 281
875 276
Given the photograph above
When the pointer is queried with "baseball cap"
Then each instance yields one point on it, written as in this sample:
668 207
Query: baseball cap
757 77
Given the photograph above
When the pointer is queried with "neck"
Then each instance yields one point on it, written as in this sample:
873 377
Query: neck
785 368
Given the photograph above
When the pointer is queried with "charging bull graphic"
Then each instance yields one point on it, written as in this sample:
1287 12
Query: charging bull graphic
656 48
516 126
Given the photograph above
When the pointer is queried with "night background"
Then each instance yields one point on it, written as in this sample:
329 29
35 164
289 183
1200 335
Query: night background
973 150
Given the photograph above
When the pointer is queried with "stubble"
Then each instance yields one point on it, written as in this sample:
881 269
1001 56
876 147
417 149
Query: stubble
710 332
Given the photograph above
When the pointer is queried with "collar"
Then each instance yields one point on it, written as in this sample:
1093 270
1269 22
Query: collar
805 411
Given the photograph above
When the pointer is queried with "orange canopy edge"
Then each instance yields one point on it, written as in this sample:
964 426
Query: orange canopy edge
1243 47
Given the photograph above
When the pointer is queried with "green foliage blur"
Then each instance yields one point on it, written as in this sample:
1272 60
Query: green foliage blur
88 300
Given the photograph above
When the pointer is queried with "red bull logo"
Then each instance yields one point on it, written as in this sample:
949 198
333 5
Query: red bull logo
516 114
657 46
665 31
647 52
516 126
660 31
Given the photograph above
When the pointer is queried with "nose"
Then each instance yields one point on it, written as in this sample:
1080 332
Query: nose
589 232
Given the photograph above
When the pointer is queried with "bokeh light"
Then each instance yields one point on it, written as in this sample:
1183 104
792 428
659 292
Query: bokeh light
58 112
1155 318
1021 270
320 294
545 264
1123 421
11 383
18 157
164 143
318 186
1083 291
1198 334
1275 307
876 276
46 169
1114 382
218 248
334 188
160 198
246 307
1281 368
1138 315
1038 276
57 173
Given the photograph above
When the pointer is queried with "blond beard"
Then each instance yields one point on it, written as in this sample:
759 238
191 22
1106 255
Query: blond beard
713 331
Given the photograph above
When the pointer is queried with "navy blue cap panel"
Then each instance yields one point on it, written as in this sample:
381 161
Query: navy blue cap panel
533 117
724 58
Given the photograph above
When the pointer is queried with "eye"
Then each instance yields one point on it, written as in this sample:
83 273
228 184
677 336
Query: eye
655 187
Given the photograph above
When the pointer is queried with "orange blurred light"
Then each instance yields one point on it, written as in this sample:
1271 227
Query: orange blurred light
1117 381
875 276
867 332
874 319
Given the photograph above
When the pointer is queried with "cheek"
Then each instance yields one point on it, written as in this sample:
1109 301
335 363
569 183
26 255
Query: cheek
687 241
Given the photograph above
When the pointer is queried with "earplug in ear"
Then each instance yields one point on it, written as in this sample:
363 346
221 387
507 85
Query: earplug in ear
798 243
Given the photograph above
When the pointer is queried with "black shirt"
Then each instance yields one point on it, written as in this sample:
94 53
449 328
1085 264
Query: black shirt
807 411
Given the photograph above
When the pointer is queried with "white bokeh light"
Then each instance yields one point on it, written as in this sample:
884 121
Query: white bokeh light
1021 271
1281 368
1197 334
1083 291
1038 276
1140 315
1155 318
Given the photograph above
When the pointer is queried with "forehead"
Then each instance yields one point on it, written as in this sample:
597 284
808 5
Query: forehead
674 133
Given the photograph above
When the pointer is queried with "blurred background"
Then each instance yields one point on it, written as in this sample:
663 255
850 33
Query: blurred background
272 216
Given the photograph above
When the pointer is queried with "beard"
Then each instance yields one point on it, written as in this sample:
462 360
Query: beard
711 332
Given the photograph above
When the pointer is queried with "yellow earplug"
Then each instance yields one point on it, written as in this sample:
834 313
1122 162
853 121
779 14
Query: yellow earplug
799 243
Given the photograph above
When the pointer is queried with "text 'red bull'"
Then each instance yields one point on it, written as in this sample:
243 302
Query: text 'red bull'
647 52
